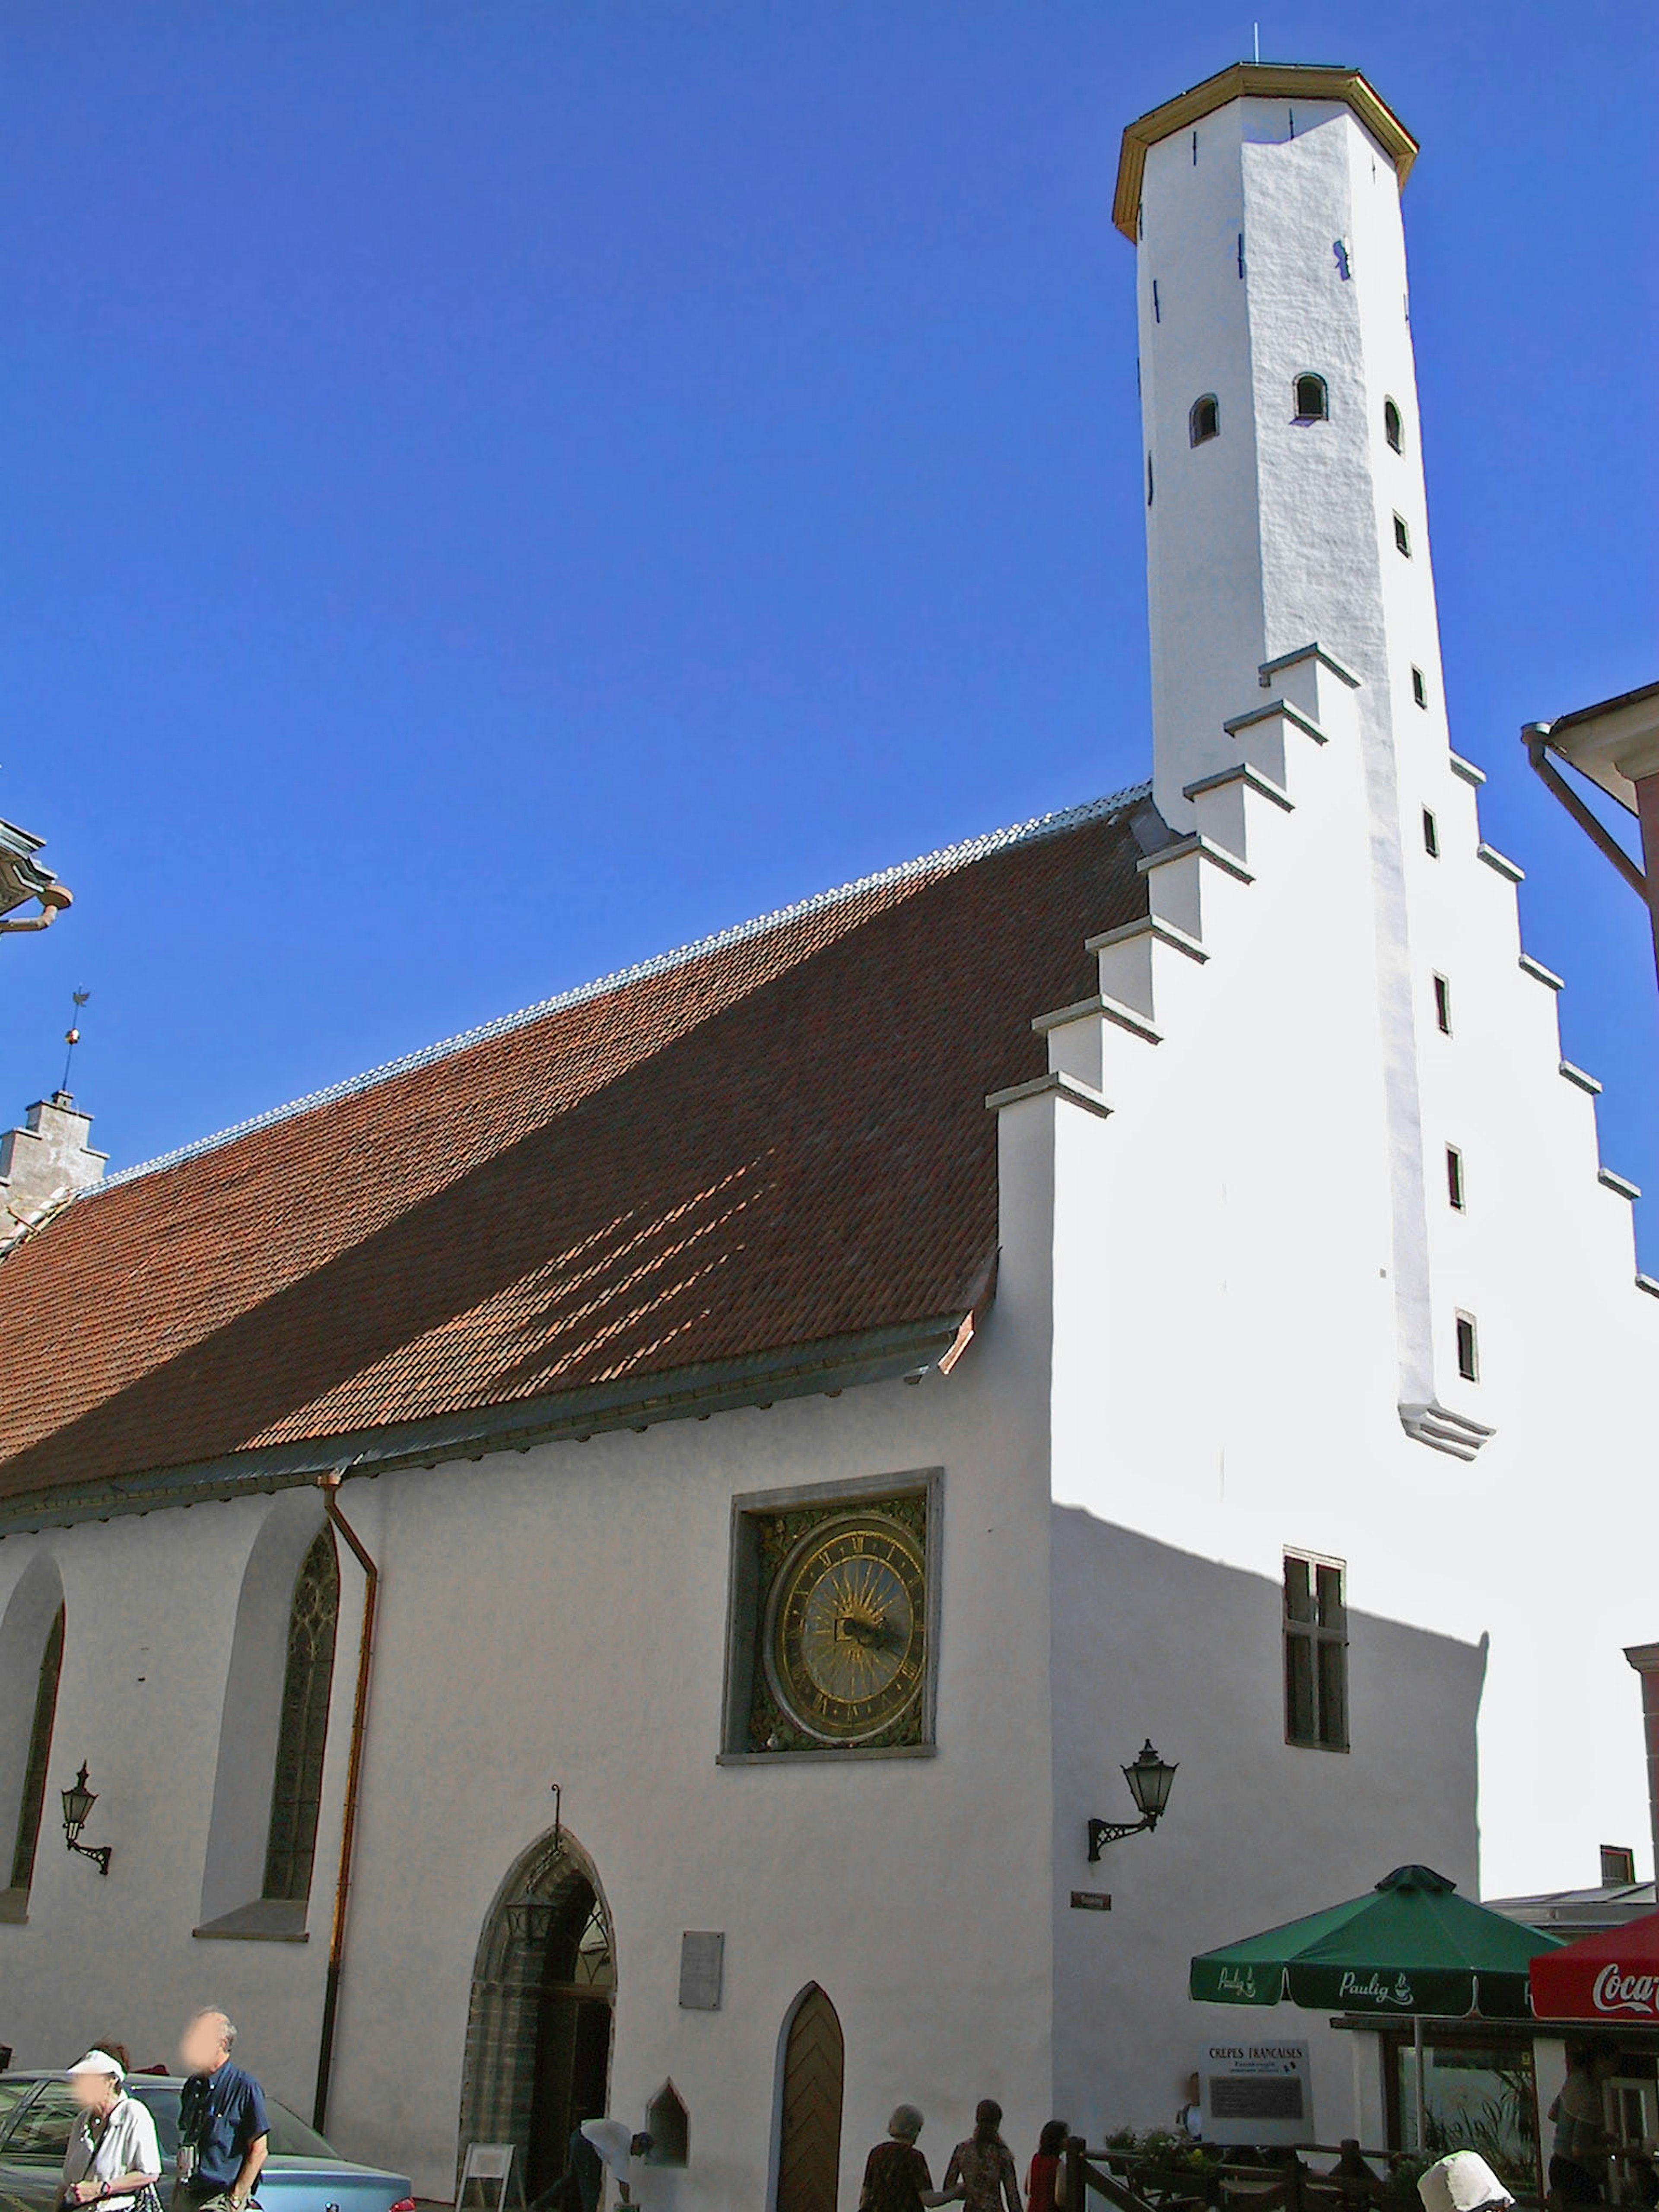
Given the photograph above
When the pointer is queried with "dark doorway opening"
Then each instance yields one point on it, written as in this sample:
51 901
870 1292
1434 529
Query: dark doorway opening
539 2031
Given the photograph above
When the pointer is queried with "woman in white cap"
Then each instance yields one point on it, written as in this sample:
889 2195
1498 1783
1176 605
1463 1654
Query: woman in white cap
113 2157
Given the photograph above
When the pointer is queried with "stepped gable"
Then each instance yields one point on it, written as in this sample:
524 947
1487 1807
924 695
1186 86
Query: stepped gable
773 1140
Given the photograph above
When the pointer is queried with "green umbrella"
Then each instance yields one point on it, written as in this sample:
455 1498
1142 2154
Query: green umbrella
1409 1947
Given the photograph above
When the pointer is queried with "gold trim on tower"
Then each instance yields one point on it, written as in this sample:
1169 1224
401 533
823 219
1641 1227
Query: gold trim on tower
1254 81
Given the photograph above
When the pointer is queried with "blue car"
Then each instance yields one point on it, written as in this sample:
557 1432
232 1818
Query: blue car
302 2173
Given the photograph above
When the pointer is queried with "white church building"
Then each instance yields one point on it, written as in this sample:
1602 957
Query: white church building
806 1409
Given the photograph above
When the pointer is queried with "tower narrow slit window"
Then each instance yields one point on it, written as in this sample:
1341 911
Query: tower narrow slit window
1443 1006
1158 311
1204 419
1393 428
1313 400
1149 480
1402 537
34 1800
1420 687
296 1790
1454 1177
1430 834
1315 1654
1469 1352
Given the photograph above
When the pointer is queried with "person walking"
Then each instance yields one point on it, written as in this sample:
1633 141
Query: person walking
1578 2152
1045 2181
223 2132
982 2170
113 2157
896 2176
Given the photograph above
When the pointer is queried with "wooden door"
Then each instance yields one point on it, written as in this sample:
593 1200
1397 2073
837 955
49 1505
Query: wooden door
808 2150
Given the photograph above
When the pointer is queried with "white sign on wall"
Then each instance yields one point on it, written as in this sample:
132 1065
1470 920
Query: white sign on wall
1256 2093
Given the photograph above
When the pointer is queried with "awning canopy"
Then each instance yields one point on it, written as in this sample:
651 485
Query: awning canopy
1611 1976
1410 1946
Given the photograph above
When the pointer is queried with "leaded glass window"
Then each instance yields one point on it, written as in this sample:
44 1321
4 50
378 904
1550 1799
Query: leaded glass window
297 1791
34 1773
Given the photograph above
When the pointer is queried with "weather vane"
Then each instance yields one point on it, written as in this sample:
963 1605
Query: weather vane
72 1035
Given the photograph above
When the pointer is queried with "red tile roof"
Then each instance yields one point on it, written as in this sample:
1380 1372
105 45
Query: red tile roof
776 1138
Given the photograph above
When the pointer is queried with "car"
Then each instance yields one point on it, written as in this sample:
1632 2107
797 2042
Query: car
303 2173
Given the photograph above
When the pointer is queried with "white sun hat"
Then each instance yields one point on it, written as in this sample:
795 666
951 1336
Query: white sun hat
99 2062
1464 2182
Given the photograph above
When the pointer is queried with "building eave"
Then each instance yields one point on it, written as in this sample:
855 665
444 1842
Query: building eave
906 1350
1254 81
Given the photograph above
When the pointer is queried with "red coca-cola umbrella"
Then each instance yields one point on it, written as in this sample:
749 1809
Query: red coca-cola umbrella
1613 1975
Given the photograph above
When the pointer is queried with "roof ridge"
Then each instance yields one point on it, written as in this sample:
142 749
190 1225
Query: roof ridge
958 855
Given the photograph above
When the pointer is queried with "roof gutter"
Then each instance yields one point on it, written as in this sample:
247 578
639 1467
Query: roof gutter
329 1484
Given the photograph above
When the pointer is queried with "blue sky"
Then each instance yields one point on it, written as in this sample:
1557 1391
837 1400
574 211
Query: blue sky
494 492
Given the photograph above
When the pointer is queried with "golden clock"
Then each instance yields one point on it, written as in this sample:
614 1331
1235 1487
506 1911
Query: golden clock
845 1638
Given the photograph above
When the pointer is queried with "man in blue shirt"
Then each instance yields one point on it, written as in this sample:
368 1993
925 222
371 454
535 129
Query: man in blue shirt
222 2129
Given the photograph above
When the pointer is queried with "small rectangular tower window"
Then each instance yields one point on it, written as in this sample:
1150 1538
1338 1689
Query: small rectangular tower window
1158 312
1194 149
1468 1357
1454 1177
1420 687
1443 1005
1315 1654
1402 537
1431 835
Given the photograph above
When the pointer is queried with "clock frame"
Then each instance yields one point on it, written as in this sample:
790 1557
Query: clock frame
832 1623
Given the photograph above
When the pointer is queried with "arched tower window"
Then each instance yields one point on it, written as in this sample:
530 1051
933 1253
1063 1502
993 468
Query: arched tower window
34 1799
296 1790
1393 429
1313 402
1204 422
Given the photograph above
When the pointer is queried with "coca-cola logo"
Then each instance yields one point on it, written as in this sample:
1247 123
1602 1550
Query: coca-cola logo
1611 1991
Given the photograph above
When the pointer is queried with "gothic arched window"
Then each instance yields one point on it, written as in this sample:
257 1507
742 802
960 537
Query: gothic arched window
1393 428
1204 422
1313 403
34 1773
296 1790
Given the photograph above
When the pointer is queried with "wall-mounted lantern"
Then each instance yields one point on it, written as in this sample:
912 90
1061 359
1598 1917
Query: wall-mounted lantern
1149 1778
78 1801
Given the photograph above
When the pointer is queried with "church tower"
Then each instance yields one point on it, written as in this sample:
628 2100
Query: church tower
1286 509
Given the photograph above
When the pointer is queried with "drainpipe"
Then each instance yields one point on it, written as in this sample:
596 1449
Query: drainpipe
329 1484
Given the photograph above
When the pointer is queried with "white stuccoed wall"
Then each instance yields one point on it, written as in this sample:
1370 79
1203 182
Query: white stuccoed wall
1257 1269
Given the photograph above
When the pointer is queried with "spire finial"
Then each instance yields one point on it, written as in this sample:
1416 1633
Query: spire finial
72 1037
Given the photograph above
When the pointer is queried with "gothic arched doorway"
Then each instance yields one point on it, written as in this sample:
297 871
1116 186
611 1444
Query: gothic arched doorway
538 2029
809 2127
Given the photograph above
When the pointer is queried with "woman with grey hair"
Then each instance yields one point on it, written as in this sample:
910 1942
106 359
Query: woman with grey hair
896 2176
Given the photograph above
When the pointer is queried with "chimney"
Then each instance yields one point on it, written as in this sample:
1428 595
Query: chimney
1645 1657
47 1159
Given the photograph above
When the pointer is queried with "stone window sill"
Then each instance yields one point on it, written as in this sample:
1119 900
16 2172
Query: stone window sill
267 1920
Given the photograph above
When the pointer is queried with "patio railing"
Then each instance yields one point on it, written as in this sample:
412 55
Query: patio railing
1139 2181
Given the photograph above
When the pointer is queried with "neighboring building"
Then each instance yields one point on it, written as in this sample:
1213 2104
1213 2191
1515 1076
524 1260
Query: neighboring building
24 881
823 1398
1616 745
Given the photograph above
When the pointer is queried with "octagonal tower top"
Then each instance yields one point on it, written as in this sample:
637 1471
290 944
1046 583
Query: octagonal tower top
1255 81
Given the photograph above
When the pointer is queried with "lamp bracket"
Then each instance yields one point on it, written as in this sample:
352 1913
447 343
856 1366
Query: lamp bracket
99 1854
1101 1833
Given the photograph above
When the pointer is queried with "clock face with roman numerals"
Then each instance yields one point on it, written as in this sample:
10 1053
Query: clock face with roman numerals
844 1642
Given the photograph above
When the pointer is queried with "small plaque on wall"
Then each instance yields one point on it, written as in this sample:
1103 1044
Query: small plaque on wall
1090 1900
702 1966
